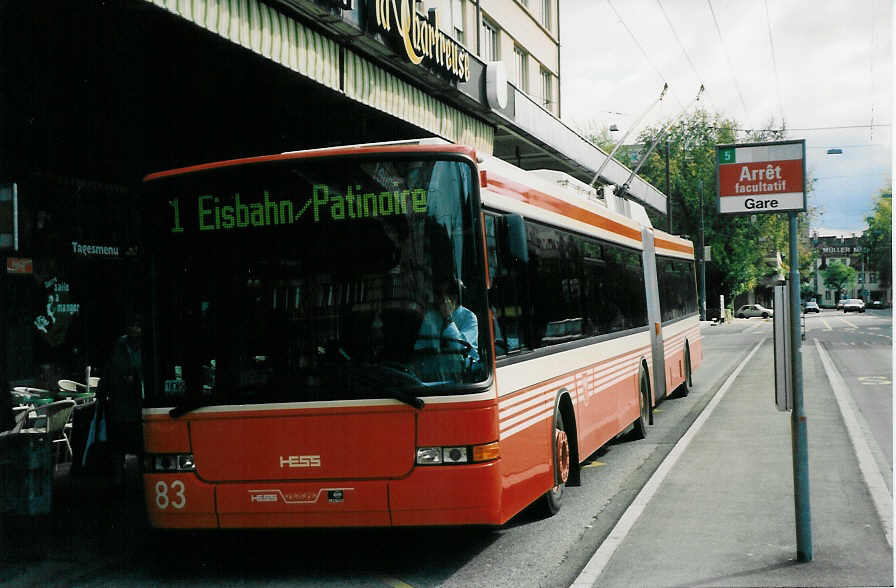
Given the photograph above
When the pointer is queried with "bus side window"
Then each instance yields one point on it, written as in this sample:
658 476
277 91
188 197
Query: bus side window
505 294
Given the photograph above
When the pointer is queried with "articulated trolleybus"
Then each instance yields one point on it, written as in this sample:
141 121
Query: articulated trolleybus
396 334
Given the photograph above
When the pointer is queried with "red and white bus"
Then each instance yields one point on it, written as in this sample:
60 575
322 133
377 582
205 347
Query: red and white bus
290 380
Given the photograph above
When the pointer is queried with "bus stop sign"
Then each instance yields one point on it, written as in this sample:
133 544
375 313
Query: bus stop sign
761 177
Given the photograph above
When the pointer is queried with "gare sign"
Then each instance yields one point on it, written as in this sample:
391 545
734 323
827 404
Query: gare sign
761 177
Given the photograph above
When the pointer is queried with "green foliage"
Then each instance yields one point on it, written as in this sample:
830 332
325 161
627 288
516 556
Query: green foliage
740 244
878 238
838 276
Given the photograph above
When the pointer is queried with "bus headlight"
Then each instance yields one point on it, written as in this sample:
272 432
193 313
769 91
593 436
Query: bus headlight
459 454
172 462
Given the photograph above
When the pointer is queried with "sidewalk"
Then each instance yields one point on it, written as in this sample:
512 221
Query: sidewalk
724 516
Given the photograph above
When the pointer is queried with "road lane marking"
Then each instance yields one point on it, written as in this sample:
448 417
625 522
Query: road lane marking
598 562
594 464
396 583
880 495
848 323
753 329
826 325
874 381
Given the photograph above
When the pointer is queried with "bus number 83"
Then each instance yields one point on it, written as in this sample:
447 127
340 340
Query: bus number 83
176 497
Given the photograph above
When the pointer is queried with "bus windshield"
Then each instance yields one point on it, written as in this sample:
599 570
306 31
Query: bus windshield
315 280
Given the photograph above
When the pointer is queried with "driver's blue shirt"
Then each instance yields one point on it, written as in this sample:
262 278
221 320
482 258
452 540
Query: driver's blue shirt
463 325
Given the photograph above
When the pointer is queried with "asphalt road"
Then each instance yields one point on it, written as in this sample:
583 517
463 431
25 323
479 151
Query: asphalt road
861 346
100 538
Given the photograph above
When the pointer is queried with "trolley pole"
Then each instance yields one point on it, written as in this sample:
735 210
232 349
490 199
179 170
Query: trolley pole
798 429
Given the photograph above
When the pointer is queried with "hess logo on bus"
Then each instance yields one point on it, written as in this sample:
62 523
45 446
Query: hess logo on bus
299 461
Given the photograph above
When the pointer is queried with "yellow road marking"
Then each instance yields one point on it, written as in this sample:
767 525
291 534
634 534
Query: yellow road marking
874 380
827 326
594 464
848 323
396 583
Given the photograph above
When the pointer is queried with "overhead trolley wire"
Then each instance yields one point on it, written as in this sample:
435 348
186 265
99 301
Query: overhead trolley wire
727 58
683 48
804 128
771 43
641 47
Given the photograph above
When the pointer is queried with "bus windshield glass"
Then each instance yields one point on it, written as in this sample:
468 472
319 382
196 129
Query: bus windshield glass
314 280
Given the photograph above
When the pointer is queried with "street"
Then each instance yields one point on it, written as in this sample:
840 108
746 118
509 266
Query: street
100 537
861 346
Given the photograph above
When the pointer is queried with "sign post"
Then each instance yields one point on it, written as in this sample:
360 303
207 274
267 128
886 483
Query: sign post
755 178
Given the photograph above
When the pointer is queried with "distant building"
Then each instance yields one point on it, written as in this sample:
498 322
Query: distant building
848 251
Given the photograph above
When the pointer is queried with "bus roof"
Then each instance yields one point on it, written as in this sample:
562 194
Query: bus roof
409 146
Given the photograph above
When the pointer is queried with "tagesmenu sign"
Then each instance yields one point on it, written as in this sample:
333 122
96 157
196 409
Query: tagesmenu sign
761 177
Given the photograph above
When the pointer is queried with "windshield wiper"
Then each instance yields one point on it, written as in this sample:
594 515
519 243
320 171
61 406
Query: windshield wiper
407 398
384 375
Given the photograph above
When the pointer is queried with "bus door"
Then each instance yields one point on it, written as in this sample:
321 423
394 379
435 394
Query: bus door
653 315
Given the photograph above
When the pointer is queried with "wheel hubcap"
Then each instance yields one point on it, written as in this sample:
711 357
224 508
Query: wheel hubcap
561 450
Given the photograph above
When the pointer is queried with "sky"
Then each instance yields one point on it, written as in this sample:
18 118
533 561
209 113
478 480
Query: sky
824 67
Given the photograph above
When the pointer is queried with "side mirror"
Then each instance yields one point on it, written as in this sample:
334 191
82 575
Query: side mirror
517 248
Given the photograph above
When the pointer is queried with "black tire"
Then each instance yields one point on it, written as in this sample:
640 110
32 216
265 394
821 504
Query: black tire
640 424
764 315
685 387
553 498
741 315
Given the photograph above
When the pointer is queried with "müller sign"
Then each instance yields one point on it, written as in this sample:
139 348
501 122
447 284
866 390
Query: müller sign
761 177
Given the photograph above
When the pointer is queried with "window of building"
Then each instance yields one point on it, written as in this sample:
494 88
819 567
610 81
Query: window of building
547 87
521 68
546 13
490 41
457 20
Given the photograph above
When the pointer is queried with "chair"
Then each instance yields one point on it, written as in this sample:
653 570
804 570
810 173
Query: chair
51 419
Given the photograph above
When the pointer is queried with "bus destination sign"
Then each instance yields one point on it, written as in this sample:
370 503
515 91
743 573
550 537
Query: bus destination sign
233 212
761 177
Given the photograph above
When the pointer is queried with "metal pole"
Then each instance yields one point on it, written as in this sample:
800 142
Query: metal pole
702 258
798 415
668 194
625 136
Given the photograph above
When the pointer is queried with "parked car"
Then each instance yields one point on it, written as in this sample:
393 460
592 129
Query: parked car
811 306
751 310
840 303
853 305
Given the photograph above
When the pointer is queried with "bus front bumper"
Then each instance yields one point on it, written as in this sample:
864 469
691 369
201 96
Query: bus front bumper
430 495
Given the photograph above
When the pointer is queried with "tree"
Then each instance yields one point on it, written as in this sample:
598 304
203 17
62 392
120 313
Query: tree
740 244
877 240
839 276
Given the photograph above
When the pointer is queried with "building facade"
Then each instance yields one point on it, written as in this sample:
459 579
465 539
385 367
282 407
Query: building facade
98 94
849 252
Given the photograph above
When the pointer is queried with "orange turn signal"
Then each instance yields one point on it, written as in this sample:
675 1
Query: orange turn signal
487 452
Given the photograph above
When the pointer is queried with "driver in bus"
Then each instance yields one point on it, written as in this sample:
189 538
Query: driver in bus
450 322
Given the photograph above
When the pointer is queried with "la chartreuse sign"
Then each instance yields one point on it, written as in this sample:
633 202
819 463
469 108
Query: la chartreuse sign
212 212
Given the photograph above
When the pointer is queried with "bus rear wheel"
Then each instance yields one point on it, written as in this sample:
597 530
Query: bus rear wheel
685 387
553 498
640 425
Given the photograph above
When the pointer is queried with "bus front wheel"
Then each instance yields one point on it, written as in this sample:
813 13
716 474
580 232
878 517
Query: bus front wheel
553 498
